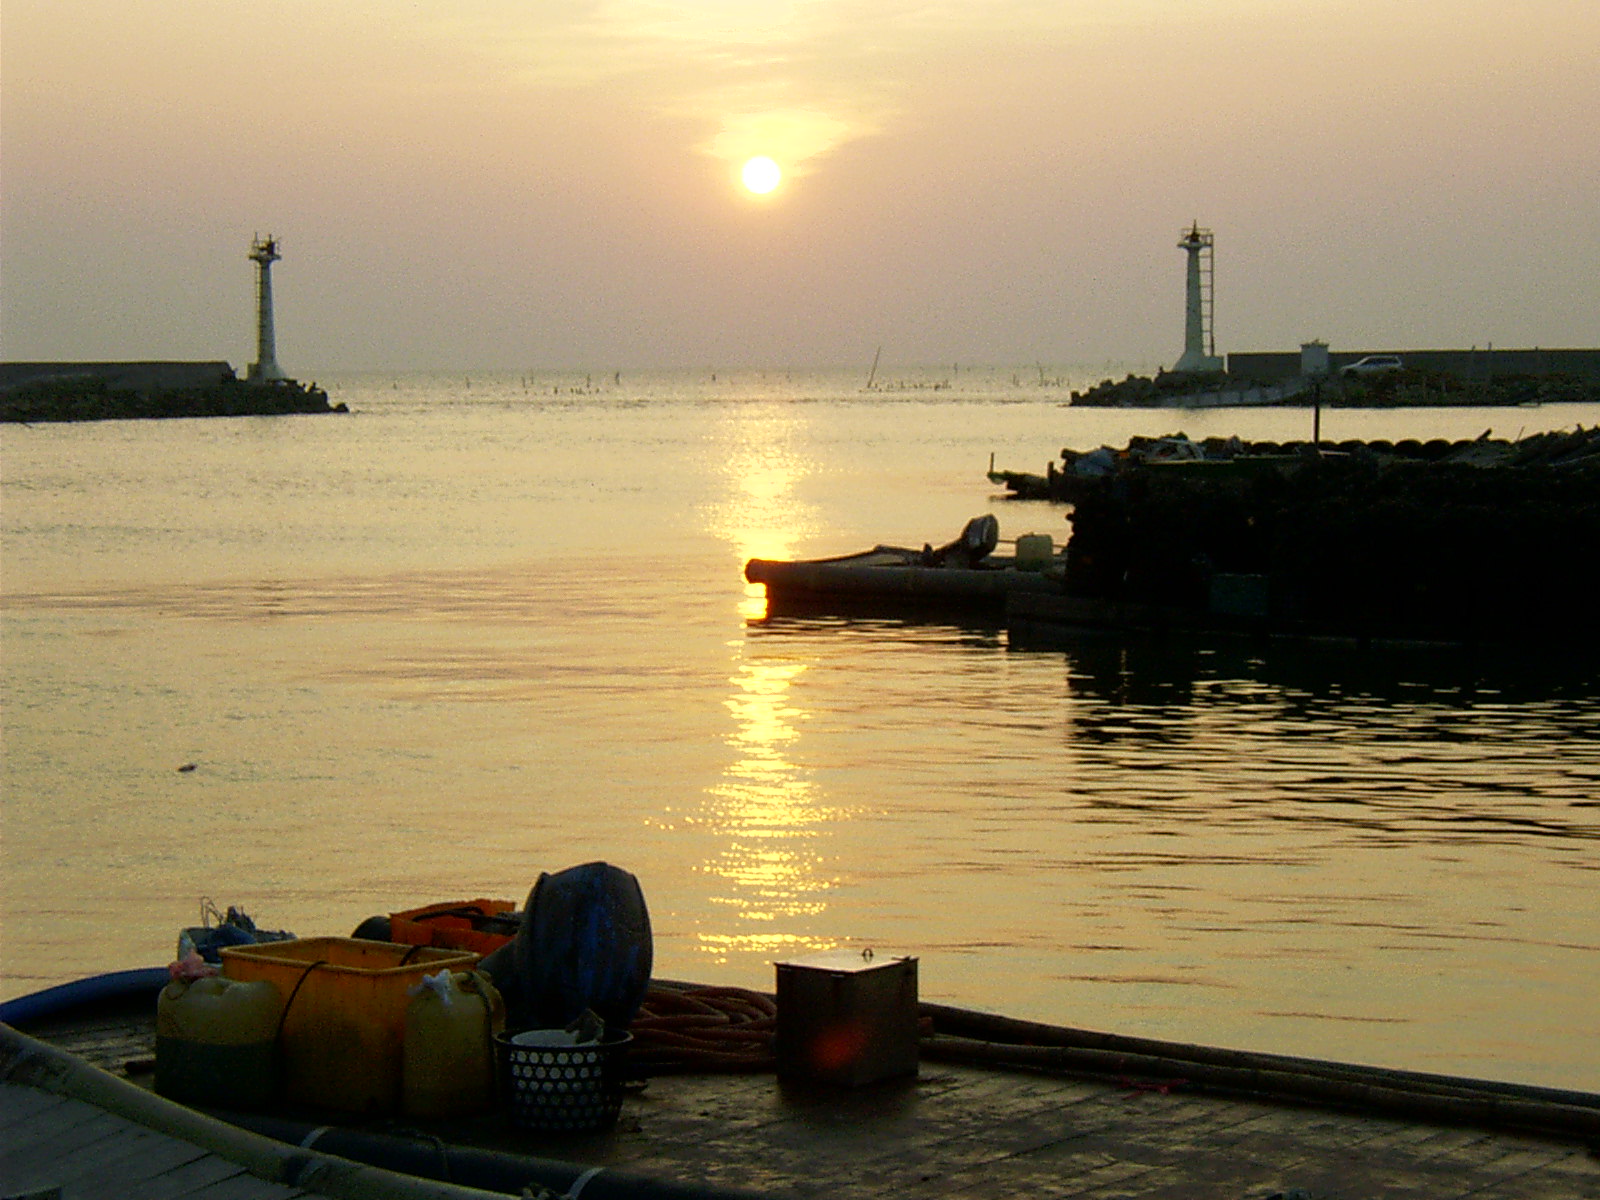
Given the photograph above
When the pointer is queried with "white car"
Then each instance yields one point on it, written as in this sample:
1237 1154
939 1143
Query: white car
1373 364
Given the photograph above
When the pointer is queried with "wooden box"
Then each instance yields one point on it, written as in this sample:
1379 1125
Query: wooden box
845 1017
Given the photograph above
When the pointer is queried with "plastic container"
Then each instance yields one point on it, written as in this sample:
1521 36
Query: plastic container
215 1042
562 1088
345 1001
482 926
448 1058
1035 551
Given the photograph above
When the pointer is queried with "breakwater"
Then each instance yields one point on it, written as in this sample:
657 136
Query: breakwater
1466 365
43 392
1452 540
1425 378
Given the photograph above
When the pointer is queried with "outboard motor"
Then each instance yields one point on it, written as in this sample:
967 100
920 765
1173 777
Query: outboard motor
977 541
584 943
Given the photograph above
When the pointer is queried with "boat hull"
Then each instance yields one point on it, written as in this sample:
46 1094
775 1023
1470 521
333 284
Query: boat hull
887 573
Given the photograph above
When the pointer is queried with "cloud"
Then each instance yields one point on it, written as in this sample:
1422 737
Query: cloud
796 80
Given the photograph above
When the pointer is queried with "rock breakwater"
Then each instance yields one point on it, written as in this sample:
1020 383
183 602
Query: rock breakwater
1464 540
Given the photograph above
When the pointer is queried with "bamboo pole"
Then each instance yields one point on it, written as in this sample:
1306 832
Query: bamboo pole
965 1036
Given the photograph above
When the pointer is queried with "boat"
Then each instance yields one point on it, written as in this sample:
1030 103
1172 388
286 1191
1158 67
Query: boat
995 1106
964 573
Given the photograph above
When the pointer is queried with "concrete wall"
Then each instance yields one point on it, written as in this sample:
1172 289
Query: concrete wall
144 377
1463 364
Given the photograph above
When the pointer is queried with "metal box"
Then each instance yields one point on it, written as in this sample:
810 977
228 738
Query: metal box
845 1017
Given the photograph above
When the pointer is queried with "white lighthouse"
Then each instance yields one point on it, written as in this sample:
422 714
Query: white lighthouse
264 252
1199 339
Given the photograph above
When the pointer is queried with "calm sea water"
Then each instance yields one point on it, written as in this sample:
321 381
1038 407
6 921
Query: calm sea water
484 627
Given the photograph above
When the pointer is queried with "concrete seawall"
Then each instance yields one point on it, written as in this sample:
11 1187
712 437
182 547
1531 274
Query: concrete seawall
1474 364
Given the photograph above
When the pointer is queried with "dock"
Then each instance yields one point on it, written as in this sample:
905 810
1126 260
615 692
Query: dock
61 1148
958 1128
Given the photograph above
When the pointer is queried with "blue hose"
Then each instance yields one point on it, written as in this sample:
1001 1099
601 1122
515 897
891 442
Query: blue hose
96 989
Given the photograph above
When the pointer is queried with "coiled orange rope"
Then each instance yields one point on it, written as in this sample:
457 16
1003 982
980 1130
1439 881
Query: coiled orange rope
694 1029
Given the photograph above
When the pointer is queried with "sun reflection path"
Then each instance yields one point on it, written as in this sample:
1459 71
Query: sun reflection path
761 519
765 816
768 816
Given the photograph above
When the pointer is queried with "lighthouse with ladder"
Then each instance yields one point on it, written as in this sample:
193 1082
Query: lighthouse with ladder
264 252
1199 338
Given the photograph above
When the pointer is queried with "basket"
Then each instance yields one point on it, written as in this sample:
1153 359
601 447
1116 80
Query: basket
568 1089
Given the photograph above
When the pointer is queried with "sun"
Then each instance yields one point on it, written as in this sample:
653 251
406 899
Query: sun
761 175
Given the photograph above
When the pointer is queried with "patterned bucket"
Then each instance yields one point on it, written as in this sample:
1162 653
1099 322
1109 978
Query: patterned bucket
570 1089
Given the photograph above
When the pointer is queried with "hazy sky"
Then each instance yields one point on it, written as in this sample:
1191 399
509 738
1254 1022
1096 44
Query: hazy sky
555 183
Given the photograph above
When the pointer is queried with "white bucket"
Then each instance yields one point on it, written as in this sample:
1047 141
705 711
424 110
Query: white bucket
1035 551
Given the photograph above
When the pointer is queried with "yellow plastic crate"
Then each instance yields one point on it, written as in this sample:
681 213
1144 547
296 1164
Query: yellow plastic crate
343 1033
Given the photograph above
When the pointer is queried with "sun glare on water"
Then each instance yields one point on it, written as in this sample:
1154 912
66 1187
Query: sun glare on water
761 175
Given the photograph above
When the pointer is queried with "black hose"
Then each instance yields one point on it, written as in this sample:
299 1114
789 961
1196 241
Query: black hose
465 1166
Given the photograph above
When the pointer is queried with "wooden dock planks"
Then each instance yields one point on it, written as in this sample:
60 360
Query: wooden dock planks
964 1132
52 1142
961 1133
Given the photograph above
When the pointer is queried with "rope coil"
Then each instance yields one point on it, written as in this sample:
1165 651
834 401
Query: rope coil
686 1029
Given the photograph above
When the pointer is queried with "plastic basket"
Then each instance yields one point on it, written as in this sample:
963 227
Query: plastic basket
569 1089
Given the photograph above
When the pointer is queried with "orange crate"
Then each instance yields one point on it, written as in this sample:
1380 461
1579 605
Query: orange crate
453 925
